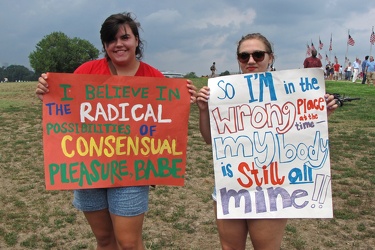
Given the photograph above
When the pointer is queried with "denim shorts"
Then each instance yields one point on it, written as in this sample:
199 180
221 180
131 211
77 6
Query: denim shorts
122 201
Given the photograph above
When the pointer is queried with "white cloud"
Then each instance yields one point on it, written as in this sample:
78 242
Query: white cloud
163 16
229 17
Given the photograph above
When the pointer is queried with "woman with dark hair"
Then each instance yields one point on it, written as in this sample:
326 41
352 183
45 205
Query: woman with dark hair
116 214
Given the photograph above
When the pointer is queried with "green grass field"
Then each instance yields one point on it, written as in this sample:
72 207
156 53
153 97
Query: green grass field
181 217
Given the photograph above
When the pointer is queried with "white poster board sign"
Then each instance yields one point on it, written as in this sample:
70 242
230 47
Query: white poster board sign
270 145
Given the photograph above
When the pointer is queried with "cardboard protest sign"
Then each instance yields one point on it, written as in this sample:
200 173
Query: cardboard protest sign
110 131
270 145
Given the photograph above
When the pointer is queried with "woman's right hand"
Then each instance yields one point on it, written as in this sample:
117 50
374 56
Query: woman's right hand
202 98
42 87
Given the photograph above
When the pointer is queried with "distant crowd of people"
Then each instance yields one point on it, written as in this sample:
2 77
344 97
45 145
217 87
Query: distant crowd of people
364 71
353 71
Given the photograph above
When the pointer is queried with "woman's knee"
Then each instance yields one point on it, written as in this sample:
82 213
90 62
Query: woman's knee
105 239
130 244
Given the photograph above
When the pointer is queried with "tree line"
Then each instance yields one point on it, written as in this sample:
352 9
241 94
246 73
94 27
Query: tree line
15 73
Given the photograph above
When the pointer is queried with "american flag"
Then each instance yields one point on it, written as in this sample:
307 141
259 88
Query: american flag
320 44
351 41
308 51
330 44
312 46
320 56
372 38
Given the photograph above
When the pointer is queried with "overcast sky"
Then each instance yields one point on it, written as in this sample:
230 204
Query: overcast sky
187 36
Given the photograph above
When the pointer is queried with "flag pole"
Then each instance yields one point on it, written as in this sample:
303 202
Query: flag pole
370 39
347 46
328 47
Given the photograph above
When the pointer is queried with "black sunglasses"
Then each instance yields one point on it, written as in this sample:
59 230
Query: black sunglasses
258 56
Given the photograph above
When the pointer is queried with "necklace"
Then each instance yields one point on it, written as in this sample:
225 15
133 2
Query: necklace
112 68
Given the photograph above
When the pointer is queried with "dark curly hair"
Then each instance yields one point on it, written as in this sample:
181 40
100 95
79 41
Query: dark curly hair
111 26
